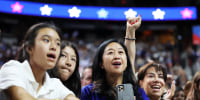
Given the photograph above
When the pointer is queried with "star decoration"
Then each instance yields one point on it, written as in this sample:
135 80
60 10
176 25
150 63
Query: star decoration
17 7
130 13
158 14
74 12
46 10
186 13
102 13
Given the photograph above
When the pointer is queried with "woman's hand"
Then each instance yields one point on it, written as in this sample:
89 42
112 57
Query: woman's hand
134 22
170 92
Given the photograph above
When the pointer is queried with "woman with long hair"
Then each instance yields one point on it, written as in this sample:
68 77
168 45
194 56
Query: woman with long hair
67 67
194 93
113 71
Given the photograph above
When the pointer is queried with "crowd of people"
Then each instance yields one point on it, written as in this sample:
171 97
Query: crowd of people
46 67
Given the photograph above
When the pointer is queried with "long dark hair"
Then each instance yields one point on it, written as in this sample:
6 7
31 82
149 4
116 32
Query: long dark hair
101 85
29 39
73 83
194 92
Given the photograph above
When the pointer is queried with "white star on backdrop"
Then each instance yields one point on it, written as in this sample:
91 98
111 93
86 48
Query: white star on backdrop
102 13
130 13
158 14
74 12
46 10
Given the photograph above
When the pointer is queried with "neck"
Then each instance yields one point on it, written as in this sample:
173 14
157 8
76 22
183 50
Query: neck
38 73
114 80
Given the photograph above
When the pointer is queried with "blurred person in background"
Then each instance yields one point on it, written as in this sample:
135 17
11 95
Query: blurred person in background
67 67
188 58
186 87
194 92
86 77
179 94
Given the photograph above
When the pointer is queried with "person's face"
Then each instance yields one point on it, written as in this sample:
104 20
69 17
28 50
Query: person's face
114 59
87 77
153 83
67 63
179 95
46 50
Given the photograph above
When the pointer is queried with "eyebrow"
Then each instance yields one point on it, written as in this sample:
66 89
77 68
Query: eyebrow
50 37
113 49
157 73
150 73
67 53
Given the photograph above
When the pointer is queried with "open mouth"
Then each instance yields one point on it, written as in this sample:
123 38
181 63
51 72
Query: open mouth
116 63
51 56
156 87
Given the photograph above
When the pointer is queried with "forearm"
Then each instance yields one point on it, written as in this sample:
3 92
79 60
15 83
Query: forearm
131 26
130 44
18 93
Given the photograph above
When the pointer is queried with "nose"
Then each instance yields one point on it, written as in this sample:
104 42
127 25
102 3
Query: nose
67 62
53 46
116 56
156 79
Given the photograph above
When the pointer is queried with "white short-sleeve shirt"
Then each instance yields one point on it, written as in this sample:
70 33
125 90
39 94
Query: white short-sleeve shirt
14 73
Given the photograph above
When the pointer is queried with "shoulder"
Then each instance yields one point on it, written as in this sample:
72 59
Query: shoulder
12 66
11 63
142 93
86 90
12 74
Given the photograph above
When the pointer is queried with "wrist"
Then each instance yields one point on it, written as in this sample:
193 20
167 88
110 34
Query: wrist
133 39
130 29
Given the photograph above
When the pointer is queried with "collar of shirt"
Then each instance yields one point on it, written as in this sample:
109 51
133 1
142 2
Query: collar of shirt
46 87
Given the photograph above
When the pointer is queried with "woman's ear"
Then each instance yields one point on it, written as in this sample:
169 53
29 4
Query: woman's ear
29 49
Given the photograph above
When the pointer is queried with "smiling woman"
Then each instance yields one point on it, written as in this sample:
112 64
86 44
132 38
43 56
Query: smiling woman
152 78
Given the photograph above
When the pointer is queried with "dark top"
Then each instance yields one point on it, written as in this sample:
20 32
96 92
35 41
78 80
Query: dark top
87 94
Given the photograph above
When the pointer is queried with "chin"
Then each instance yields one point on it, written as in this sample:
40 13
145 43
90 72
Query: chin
157 94
51 65
64 78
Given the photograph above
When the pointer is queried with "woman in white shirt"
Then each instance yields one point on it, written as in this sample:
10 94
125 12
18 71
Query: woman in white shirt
28 80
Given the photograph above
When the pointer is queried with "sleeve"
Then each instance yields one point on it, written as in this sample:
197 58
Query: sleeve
86 93
10 75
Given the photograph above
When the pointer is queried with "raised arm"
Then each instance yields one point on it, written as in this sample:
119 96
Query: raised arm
132 24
